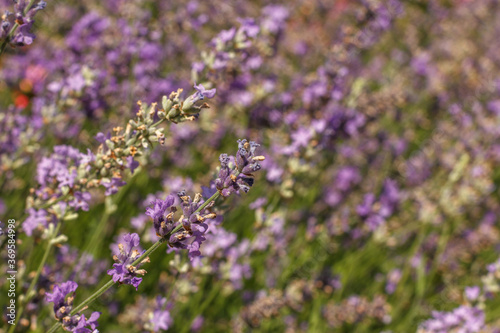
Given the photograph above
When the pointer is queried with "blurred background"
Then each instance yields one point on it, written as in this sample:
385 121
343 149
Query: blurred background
377 207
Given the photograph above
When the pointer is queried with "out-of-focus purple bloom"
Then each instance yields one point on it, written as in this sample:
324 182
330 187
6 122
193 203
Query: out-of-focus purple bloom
102 138
225 36
258 203
249 27
35 218
274 17
392 280
464 319
81 201
347 177
162 319
197 324
132 164
472 293
113 185
375 214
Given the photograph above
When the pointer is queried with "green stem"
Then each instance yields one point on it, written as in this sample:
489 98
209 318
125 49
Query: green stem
209 299
29 293
98 234
209 200
153 248
158 122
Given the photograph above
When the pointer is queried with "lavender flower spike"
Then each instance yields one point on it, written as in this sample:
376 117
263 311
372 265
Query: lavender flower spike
123 271
63 305
162 221
239 177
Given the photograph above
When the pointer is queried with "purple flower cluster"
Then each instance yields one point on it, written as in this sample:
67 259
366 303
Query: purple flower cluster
374 212
161 319
162 213
123 270
152 315
194 220
193 223
63 304
239 175
464 319
15 28
68 175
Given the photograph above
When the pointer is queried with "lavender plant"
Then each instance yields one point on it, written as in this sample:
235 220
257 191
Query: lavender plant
377 206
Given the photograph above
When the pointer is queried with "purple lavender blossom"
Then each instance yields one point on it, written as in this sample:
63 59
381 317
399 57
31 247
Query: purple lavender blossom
464 318
202 93
132 164
63 305
392 281
231 180
123 271
23 17
161 319
113 185
35 219
23 35
374 212
472 293
194 225
81 201
197 324
162 220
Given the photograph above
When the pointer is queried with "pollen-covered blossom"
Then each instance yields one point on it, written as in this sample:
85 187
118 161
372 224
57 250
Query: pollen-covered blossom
63 304
194 226
123 271
194 223
162 221
238 175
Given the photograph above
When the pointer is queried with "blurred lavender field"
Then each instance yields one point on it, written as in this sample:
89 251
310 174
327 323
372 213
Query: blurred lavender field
250 166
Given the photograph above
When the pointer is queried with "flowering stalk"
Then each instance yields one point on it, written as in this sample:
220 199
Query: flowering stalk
71 180
153 248
233 177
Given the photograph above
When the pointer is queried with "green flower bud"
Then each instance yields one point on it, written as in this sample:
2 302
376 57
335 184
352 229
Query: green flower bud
166 103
